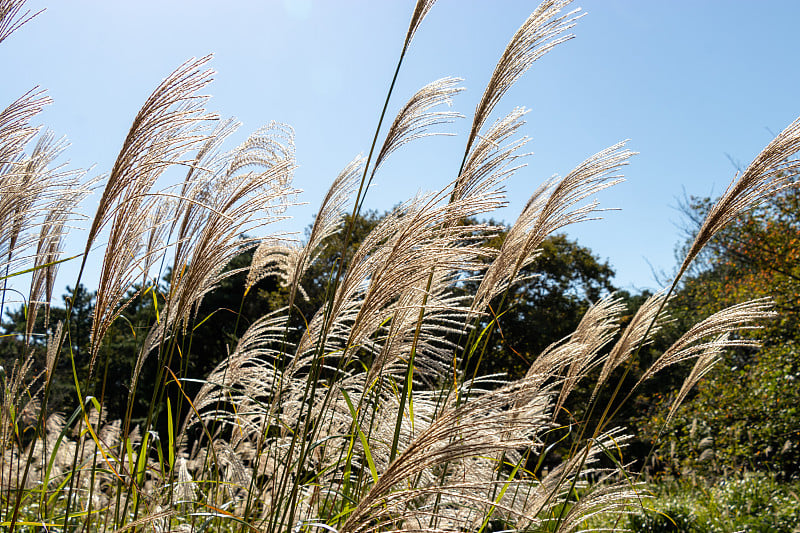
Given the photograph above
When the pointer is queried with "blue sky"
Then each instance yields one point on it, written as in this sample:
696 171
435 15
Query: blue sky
698 87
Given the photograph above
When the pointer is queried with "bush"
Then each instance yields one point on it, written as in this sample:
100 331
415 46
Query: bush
754 502
671 519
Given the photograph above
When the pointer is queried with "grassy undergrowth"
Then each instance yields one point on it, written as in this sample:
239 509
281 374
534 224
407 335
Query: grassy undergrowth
753 502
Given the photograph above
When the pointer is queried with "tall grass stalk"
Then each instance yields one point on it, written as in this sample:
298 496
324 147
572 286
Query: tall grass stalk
370 417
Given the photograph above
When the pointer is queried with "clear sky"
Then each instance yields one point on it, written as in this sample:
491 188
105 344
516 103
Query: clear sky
698 87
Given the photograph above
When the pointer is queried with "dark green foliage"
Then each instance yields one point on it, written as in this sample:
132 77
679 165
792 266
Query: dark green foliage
745 413
742 418
13 347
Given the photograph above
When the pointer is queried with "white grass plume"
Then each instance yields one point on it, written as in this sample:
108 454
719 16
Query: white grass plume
233 204
421 9
398 253
705 362
12 17
238 203
582 352
540 33
244 382
486 425
415 118
739 317
489 160
644 322
168 126
552 207
26 183
289 262
771 171
49 250
37 201
15 128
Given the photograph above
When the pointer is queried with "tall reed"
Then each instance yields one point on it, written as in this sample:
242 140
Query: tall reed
370 420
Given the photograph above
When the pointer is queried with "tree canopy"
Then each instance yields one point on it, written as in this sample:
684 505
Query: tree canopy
746 414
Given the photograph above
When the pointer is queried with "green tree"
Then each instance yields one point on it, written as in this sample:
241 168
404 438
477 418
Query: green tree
13 347
746 415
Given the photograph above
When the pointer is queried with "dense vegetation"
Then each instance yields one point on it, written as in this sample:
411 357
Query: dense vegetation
745 416
415 370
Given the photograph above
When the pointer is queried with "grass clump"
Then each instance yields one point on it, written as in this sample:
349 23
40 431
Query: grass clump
366 414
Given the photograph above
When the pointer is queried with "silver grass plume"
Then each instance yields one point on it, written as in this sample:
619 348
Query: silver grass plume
553 490
24 191
644 322
421 9
18 398
399 252
735 318
289 263
234 471
155 518
490 159
552 206
169 124
596 329
245 380
15 130
278 258
415 118
196 187
37 200
48 251
60 194
33 177
12 17
54 341
605 497
109 434
223 204
705 362
486 425
131 251
444 317
237 203
186 488
771 171
542 31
